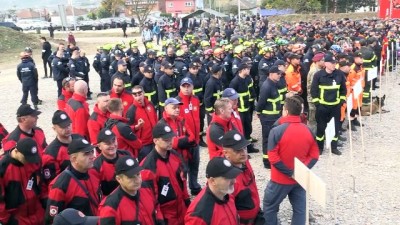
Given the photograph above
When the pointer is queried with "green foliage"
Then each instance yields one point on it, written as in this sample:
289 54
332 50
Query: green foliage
112 6
92 15
103 13
80 18
167 15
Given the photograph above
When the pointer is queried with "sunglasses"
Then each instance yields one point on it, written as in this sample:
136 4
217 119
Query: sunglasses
139 93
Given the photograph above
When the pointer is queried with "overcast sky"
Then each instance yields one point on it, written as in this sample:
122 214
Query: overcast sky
20 4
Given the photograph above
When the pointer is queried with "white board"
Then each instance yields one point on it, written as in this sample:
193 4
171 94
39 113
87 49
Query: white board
372 73
330 133
349 103
357 89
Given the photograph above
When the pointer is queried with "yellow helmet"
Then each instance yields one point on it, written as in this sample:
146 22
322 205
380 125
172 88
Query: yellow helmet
204 43
238 49
247 44
149 45
179 53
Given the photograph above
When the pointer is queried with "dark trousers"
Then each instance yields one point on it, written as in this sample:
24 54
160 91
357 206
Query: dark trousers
86 79
202 117
34 94
367 90
266 126
275 193
59 87
193 166
105 81
209 118
323 115
45 63
246 123
144 151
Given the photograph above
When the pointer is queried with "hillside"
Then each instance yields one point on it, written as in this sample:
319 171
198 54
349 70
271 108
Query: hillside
11 40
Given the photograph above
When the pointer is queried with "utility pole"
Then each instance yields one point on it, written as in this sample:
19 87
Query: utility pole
326 6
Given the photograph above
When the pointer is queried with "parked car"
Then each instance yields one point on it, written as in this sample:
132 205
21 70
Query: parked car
10 25
89 25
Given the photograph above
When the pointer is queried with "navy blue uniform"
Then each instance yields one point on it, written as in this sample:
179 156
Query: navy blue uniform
28 75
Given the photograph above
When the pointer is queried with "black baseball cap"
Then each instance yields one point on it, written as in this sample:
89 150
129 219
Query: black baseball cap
221 167
105 135
216 68
142 64
194 65
27 110
128 166
274 69
148 69
161 130
28 148
230 93
79 145
330 58
279 62
243 66
233 139
294 56
168 65
61 119
74 217
118 53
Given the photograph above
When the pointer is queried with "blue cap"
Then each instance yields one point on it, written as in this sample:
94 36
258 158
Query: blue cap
186 80
230 93
172 101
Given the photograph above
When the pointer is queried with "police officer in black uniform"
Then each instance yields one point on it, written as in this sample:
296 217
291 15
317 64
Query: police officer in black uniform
149 86
213 90
28 75
166 86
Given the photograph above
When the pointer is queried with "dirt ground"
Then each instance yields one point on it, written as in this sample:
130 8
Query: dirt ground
373 200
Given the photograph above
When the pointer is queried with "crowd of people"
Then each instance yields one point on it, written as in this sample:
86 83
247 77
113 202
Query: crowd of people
135 158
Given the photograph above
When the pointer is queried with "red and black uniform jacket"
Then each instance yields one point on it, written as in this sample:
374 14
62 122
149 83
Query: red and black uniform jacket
10 141
207 209
3 133
106 171
120 208
96 123
63 99
246 196
126 98
66 193
148 114
167 179
78 110
126 138
184 139
190 111
237 122
22 192
290 139
217 128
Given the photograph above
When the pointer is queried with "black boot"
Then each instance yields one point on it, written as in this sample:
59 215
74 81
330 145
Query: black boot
202 143
252 149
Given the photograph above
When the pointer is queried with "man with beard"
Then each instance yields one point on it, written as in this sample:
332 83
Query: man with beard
215 205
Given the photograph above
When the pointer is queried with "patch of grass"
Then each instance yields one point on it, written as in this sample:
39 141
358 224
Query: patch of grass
14 41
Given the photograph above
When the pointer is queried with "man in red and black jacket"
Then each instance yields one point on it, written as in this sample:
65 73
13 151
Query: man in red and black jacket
130 203
184 139
215 205
126 138
66 92
220 124
190 112
233 96
164 173
77 186
23 194
27 117
142 117
55 157
291 139
78 109
118 91
104 164
99 116
247 200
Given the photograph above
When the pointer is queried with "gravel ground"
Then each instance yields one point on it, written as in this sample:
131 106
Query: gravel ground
365 194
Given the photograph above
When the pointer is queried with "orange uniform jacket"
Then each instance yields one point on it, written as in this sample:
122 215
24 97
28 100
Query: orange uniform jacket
293 78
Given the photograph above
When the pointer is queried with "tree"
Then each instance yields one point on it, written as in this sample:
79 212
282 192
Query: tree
112 5
300 6
141 9
103 13
92 15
